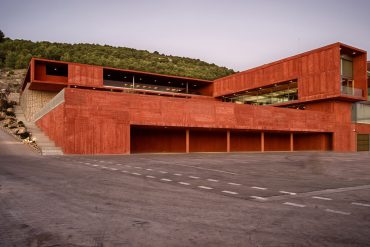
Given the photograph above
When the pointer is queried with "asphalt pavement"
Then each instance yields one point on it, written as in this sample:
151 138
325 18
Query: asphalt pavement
208 199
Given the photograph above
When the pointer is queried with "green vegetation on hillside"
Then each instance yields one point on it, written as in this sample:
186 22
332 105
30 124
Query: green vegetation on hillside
16 54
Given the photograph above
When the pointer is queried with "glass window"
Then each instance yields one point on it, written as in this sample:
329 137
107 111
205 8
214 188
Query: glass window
347 68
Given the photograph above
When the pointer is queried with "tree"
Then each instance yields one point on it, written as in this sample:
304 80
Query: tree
2 35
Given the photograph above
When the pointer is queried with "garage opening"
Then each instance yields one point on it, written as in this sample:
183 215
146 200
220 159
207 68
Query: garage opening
243 141
207 140
277 141
312 142
145 139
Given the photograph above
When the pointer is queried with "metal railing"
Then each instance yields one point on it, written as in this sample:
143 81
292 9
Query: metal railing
53 103
351 91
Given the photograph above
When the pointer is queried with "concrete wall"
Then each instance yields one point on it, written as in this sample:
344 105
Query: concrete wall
33 101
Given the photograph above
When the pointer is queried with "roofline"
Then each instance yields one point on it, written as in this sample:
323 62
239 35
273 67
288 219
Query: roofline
124 70
337 44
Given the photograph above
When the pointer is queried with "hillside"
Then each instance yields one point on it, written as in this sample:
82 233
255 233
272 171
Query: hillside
15 54
11 79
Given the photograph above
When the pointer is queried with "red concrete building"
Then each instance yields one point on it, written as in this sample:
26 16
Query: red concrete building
312 101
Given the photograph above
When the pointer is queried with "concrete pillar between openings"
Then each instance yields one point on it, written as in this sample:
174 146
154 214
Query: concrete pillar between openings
187 141
228 141
291 142
262 141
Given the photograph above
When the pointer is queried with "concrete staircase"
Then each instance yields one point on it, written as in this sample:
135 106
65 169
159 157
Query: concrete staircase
46 145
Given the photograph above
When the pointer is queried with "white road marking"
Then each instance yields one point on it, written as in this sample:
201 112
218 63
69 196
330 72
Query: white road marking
259 198
114 169
322 198
337 212
95 165
177 174
193 177
230 192
135 173
258 188
202 168
148 169
165 179
183 183
212 180
294 204
138 167
287 192
104 167
205 187
360 204
148 176
234 184
163 172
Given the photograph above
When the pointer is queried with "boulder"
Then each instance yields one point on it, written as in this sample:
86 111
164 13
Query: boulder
8 121
24 135
20 130
2 115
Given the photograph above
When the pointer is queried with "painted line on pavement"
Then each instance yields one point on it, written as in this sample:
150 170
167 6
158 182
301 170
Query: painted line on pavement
166 179
177 174
230 192
287 192
114 169
202 168
234 184
337 211
193 177
183 183
360 204
212 180
294 204
148 176
258 188
322 198
135 173
205 187
259 198
164 172
148 169
138 167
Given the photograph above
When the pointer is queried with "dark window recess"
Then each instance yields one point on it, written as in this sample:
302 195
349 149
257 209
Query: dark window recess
57 69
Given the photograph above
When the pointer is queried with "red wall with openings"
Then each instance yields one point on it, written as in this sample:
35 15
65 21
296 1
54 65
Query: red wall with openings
40 75
157 140
277 141
312 142
245 141
207 140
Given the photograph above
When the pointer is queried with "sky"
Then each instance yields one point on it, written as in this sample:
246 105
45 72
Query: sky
238 34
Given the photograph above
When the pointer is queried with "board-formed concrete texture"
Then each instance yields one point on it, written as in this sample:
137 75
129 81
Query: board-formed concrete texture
117 111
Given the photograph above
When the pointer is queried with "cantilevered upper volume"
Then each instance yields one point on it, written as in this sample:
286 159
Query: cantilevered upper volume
334 71
312 101
52 75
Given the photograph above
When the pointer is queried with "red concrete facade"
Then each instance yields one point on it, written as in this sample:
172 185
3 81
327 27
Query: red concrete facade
96 118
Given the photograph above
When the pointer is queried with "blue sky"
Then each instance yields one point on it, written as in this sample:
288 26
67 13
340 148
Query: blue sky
233 33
